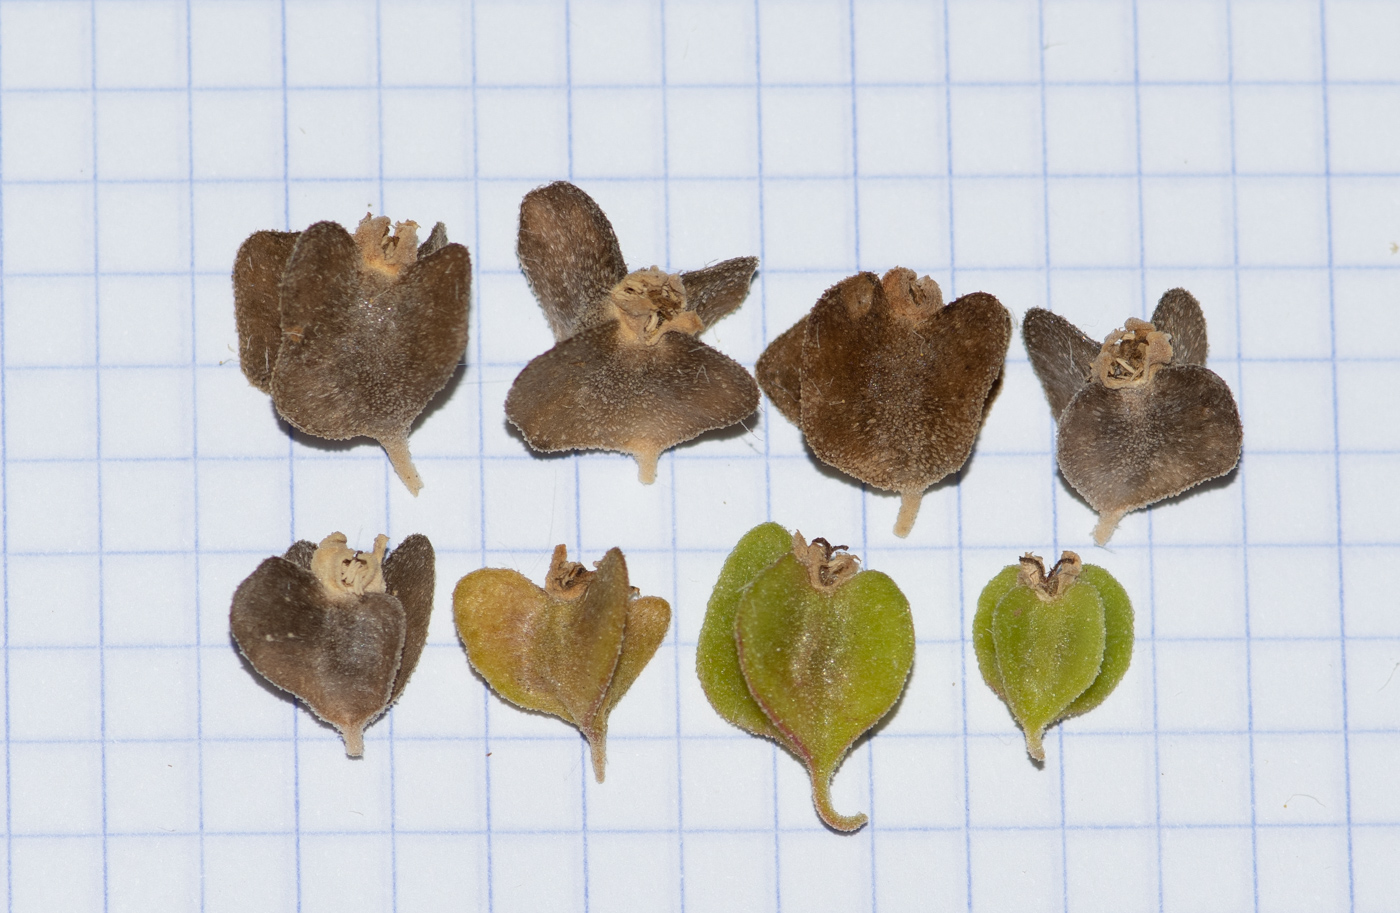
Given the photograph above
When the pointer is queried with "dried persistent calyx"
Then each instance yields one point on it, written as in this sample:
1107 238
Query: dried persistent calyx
886 383
352 335
338 628
1140 417
571 649
1052 645
800 646
627 372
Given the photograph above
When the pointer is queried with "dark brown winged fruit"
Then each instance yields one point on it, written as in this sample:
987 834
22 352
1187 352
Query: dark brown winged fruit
886 383
1140 417
340 629
352 334
627 372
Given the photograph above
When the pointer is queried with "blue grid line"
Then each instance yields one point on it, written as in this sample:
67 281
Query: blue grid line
641 86
989 454
481 463
101 595
922 641
1054 506
1151 558
194 452
564 737
1243 480
1001 547
658 831
5 529
295 709
807 271
737 178
871 832
1000 735
576 458
1336 461
967 828
386 474
1012 358
675 632
767 407
834 272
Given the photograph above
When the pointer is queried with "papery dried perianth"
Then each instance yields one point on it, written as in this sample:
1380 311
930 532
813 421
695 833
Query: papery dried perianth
353 335
571 648
1140 417
888 384
628 372
338 628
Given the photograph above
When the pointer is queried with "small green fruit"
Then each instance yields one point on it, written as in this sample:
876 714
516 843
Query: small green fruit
1052 646
800 647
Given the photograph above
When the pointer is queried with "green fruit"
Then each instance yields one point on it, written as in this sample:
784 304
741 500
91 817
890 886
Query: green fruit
800 647
1052 646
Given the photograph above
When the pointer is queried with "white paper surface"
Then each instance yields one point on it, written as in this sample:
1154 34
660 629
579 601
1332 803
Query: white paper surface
1082 156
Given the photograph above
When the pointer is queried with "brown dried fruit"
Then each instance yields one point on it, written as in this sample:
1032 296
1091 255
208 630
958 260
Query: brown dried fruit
352 335
571 649
340 629
886 383
628 373
1140 418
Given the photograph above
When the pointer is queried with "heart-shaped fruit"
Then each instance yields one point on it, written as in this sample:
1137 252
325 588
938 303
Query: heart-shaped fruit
816 653
352 335
571 649
1052 646
1140 418
340 629
886 383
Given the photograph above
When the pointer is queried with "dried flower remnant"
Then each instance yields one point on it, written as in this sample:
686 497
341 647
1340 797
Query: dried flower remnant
352 335
800 646
1140 418
1052 646
571 649
338 628
628 372
886 383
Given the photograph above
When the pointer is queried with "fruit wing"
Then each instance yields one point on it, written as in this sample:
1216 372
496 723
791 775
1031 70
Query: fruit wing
983 641
569 254
501 616
718 290
648 621
716 655
1061 355
1118 638
257 307
409 576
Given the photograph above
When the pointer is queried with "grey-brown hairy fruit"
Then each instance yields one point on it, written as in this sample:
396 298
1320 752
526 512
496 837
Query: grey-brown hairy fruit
1140 417
338 628
627 373
886 383
352 334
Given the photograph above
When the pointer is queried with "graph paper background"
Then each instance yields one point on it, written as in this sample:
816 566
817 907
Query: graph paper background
1084 156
